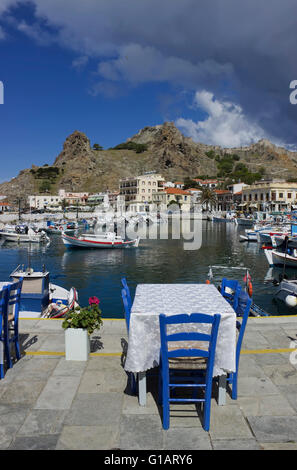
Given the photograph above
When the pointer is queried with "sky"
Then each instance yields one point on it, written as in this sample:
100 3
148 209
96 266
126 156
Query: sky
219 69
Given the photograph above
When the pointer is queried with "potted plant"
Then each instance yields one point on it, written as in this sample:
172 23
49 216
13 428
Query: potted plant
79 324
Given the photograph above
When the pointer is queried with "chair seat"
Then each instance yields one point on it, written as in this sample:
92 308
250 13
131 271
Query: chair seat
199 363
193 363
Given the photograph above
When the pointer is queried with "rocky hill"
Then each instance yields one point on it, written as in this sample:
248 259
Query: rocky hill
163 149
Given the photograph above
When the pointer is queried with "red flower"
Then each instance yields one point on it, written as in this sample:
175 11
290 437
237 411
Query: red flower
94 300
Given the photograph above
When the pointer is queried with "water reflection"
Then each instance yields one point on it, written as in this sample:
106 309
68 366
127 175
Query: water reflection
99 272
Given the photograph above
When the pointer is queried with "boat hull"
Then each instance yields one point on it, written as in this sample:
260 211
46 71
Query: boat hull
276 258
22 237
73 242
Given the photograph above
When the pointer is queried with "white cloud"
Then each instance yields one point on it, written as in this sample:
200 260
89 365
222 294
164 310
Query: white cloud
226 124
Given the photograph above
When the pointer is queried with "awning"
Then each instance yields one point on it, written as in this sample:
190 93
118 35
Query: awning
243 204
254 205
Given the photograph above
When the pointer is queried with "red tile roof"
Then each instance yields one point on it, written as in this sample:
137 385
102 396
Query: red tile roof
176 191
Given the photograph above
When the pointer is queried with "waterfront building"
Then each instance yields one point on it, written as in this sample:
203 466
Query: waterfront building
179 185
270 196
73 198
4 206
41 202
210 183
139 190
195 195
173 195
224 200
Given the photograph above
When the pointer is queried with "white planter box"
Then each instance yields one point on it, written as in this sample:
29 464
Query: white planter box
77 344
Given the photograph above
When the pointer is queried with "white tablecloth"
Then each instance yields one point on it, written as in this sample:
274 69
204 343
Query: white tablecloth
153 299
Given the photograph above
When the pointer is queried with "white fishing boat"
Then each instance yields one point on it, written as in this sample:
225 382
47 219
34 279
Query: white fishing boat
39 296
102 240
30 236
278 258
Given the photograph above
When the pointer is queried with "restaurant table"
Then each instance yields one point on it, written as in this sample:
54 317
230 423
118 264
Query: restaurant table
170 299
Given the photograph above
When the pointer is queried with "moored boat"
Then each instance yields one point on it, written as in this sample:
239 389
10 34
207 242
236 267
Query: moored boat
39 296
102 240
278 258
30 236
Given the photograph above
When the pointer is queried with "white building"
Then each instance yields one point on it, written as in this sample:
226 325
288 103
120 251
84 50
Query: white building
42 202
139 190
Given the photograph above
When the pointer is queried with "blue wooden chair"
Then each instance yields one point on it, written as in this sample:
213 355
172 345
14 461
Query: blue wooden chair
11 320
127 309
235 287
126 287
197 363
3 315
243 310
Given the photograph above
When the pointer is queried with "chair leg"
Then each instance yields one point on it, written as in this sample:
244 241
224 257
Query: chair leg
16 342
2 360
166 408
7 346
207 405
234 386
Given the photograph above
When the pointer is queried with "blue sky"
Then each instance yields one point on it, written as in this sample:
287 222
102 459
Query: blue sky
109 68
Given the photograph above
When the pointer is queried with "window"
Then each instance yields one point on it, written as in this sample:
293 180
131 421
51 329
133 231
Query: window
289 195
244 197
280 195
261 196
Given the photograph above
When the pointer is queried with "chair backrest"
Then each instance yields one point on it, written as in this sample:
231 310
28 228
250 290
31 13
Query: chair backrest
235 287
127 308
126 287
243 309
3 306
14 298
210 338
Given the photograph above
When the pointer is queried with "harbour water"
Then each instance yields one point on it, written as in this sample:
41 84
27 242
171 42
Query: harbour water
98 272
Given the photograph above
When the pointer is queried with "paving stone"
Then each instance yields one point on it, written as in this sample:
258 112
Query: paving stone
88 438
69 368
38 368
58 393
249 367
279 445
270 359
186 439
131 405
253 386
7 434
236 444
54 343
103 381
289 392
43 422
32 443
228 422
254 340
281 374
270 405
274 429
94 409
141 432
22 392
13 414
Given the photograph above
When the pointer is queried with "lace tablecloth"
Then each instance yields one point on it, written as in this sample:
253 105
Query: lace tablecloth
153 299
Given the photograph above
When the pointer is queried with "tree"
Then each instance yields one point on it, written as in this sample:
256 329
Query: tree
97 147
208 197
